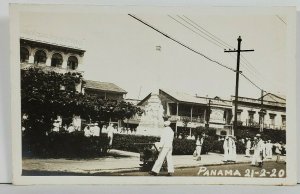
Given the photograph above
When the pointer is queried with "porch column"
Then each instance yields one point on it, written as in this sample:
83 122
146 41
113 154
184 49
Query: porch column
64 64
168 109
191 121
176 117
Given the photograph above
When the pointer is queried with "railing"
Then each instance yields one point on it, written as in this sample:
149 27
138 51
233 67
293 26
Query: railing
254 124
49 68
186 118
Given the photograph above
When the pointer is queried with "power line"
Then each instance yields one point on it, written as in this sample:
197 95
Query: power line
251 81
224 43
194 31
191 49
190 22
220 41
280 19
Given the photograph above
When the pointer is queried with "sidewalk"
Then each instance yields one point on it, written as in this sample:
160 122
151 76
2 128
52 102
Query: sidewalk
119 161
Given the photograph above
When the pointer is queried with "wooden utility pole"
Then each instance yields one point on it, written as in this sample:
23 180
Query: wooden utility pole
262 112
237 73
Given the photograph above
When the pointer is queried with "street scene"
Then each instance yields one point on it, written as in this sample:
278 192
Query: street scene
153 95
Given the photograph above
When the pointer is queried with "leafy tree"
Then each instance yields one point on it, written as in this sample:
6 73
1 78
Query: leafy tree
44 95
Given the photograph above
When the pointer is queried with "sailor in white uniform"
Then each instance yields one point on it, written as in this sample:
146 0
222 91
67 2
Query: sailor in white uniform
166 144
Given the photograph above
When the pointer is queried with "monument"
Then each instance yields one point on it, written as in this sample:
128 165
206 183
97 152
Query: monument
152 121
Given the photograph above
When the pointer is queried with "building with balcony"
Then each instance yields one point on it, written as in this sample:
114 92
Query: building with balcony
267 112
50 56
104 90
187 112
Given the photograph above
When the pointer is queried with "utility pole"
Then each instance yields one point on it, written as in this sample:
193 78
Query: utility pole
262 112
207 116
237 74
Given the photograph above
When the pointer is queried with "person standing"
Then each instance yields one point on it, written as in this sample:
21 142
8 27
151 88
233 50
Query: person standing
110 133
226 146
269 151
96 131
258 151
199 143
87 131
278 149
166 144
233 149
55 126
248 147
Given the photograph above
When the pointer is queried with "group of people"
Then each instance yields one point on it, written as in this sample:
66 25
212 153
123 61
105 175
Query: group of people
261 149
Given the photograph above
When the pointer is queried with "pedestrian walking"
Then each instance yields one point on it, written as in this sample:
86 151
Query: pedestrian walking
199 143
166 144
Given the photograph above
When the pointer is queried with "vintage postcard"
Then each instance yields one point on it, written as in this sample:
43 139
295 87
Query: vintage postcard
153 95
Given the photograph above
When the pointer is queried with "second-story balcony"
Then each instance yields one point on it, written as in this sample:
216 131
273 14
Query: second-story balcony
175 118
45 68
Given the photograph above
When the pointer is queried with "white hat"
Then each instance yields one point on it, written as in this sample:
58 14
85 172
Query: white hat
167 123
258 135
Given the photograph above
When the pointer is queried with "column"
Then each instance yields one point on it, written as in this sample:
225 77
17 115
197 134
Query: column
168 109
48 61
31 59
64 64
191 121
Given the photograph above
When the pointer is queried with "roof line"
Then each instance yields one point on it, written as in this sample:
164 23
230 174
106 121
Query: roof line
54 44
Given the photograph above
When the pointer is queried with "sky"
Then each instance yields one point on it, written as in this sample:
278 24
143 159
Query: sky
122 50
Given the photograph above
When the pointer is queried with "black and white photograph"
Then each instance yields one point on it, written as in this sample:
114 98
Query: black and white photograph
153 93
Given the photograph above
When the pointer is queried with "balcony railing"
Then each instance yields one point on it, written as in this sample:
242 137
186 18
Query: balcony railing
250 123
186 118
49 68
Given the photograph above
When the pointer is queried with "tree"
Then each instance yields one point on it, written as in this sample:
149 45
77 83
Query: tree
44 95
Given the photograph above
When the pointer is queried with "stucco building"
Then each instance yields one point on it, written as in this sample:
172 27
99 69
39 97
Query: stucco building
50 56
104 90
187 112
268 111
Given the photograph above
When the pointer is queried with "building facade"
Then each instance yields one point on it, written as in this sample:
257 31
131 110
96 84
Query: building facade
187 112
267 112
50 56
104 90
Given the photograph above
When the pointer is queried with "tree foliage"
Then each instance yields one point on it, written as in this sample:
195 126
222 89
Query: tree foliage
44 95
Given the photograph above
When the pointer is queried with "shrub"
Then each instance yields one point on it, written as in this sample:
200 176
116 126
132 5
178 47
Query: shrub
180 146
65 145
127 142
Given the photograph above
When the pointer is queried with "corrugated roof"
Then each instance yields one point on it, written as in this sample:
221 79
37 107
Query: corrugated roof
183 97
103 86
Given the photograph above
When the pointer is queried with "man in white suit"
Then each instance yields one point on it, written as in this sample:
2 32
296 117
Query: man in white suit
166 144
259 151
248 147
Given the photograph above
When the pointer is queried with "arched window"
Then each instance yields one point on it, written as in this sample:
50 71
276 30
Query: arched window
56 60
72 62
24 54
40 57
